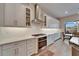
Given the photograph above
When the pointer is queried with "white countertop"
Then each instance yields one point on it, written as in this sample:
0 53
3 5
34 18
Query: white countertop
9 35
75 40
15 39
69 34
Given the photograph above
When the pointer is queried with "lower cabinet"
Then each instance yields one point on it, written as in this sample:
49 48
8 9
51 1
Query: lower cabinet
32 46
22 48
14 49
52 38
0 51
8 52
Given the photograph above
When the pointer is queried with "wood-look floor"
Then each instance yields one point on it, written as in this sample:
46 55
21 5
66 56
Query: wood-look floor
59 48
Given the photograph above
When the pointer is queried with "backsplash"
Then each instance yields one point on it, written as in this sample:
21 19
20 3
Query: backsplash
12 32
16 32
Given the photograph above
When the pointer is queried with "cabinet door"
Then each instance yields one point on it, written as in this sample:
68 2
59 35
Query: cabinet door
57 36
21 49
14 49
0 50
2 14
10 15
8 52
50 39
32 46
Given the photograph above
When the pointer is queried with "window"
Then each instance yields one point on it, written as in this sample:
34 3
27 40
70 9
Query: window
70 27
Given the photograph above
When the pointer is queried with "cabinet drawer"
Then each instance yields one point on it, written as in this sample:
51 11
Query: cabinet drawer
31 46
14 49
19 43
8 52
7 46
12 45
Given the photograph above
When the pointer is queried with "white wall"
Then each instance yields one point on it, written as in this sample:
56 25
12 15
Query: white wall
52 22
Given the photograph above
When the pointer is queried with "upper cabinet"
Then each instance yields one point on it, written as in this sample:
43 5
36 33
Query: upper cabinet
10 15
2 6
14 14
21 15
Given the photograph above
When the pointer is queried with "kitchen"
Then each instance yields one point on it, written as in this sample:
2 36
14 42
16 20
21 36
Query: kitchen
26 29
39 29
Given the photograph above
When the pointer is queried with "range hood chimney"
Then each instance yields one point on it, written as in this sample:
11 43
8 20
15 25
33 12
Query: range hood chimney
35 11
36 20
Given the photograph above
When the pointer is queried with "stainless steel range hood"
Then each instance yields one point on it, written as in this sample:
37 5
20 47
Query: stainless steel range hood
36 20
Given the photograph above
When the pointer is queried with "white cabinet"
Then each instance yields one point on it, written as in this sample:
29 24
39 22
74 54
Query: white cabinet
57 36
21 48
14 14
52 38
1 13
8 52
0 51
10 15
32 46
14 49
7 14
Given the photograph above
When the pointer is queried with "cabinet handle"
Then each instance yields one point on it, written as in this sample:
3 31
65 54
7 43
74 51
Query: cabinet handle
16 51
15 44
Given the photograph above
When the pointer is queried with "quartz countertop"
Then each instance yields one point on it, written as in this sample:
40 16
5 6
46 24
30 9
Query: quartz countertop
15 39
75 40
4 39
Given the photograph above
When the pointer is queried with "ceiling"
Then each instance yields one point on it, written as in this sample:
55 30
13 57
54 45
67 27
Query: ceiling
60 9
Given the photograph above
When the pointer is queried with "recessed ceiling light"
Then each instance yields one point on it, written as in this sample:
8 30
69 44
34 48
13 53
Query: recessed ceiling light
66 12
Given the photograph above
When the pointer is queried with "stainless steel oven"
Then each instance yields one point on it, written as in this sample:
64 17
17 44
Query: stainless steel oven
42 41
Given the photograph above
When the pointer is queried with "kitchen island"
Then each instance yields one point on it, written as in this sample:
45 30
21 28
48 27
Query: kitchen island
74 43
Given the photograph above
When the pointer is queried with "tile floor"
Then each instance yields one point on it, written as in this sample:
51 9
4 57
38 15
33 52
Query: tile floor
59 48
